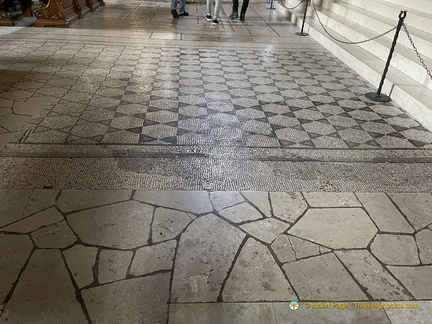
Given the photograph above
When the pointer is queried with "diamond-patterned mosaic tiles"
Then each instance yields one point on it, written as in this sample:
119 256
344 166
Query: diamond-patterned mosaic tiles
175 96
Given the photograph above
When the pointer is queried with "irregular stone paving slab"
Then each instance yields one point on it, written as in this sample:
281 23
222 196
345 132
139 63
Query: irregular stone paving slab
308 314
241 213
224 199
197 202
124 225
395 249
205 254
27 108
14 252
349 227
416 279
286 206
55 236
251 313
385 215
32 223
322 278
168 223
260 200
44 293
81 260
137 300
373 276
331 199
421 314
40 199
266 230
13 202
283 249
424 243
256 277
416 207
153 258
113 265
302 248
71 200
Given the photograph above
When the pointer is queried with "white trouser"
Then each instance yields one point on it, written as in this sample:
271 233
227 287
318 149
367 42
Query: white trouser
216 8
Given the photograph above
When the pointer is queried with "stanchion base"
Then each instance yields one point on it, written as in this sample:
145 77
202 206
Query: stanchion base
302 34
271 8
377 97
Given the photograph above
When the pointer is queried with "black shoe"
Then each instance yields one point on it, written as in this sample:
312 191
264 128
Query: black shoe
242 16
208 18
183 14
174 13
215 22
234 15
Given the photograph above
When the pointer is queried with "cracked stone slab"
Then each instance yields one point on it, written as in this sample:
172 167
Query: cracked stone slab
415 279
385 215
266 230
260 200
44 293
422 314
373 276
137 300
14 252
322 278
55 236
205 254
71 200
40 199
81 260
416 207
395 249
241 213
256 277
124 225
153 258
169 223
197 202
349 227
331 199
283 249
224 199
303 248
113 265
424 243
13 204
286 206
32 223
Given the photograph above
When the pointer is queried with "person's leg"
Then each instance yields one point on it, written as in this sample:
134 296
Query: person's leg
234 13
209 6
174 8
217 10
6 4
182 10
243 9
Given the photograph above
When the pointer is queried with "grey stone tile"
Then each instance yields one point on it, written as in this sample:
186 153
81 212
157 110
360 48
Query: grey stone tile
36 221
40 199
256 277
224 199
205 254
303 248
113 265
81 260
13 204
415 279
416 315
137 300
124 225
241 213
286 206
121 137
424 243
266 230
44 293
283 249
6 138
331 199
326 279
168 224
55 236
416 207
260 200
350 227
153 258
395 249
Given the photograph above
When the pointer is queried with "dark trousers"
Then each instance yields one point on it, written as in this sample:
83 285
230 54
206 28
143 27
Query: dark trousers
6 4
243 8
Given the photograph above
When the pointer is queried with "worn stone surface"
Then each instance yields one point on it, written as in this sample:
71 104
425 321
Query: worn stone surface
55 236
415 279
286 206
13 202
113 265
14 252
349 227
322 278
218 313
424 243
266 229
196 202
419 315
205 254
384 213
303 248
124 225
416 207
153 258
224 199
283 249
71 200
44 293
395 249
40 199
81 260
137 300
259 199
256 277
372 275
241 213
331 199
36 221
169 223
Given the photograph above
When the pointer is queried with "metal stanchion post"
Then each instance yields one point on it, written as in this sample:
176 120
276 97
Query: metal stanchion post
304 19
377 96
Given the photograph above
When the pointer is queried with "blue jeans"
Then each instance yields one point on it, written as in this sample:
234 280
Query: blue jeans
182 5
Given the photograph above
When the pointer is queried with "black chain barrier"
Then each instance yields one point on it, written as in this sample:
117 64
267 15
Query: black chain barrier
282 3
416 51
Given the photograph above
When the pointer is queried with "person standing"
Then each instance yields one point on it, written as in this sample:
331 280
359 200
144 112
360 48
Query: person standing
216 11
182 11
244 7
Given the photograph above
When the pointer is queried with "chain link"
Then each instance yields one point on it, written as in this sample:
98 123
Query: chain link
282 2
349 43
416 51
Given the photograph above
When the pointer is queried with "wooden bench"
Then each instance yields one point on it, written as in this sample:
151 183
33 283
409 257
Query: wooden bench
6 17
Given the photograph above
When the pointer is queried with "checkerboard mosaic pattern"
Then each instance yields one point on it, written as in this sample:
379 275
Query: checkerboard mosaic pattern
179 96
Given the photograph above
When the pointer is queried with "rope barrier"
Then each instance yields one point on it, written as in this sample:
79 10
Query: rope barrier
282 3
